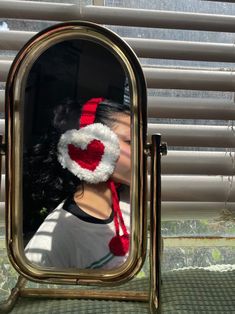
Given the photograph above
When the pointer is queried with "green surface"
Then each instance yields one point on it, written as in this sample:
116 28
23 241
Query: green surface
201 290
186 290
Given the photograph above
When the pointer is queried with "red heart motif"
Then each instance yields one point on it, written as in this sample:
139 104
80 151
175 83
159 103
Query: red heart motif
88 158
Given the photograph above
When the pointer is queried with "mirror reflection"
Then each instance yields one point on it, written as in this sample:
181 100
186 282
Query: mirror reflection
77 158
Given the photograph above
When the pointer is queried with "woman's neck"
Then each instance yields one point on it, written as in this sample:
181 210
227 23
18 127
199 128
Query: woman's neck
95 200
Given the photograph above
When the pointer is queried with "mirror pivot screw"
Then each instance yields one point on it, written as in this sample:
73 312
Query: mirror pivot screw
2 149
163 149
147 149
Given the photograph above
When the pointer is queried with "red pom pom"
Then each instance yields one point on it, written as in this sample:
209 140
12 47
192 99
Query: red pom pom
119 245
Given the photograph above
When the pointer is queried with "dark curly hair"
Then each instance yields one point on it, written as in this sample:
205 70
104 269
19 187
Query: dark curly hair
46 183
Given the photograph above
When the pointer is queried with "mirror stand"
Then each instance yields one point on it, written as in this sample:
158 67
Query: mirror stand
20 291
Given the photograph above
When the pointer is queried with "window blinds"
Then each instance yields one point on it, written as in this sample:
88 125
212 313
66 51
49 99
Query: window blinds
198 171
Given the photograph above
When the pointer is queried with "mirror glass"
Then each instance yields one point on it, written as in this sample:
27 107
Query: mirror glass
76 172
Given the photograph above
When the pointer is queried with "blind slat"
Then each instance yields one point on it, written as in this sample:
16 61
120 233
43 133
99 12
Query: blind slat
194 79
2 212
198 188
4 69
34 10
194 135
182 50
2 127
191 108
14 40
3 165
2 101
199 163
159 19
197 210
3 189
206 241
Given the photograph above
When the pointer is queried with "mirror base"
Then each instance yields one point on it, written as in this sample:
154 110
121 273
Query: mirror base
19 291
8 305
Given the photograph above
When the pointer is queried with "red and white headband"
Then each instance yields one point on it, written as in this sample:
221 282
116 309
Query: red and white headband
91 152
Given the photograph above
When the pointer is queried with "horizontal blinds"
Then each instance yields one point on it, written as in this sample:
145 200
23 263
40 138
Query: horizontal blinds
146 48
116 16
194 183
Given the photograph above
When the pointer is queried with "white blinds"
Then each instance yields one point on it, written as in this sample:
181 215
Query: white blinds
198 172
116 16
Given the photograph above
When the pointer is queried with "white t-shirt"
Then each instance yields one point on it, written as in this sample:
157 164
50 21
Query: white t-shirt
65 241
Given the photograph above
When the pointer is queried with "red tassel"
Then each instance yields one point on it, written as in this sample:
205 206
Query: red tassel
119 245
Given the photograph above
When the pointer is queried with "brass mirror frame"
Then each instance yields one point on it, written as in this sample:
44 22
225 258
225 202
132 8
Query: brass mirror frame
14 153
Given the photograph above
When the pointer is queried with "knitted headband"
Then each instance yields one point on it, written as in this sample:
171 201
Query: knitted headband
91 152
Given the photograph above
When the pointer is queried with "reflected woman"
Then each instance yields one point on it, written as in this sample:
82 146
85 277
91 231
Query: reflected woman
82 169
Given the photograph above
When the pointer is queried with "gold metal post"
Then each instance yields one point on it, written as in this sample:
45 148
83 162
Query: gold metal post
155 223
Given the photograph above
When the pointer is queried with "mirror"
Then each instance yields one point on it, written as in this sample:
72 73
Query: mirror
67 204
76 107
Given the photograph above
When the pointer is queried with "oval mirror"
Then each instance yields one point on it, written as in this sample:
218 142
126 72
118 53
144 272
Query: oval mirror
76 179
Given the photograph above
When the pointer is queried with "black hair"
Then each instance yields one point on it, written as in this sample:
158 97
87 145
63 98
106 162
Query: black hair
46 183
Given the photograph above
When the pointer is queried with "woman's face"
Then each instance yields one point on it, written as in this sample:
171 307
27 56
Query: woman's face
122 172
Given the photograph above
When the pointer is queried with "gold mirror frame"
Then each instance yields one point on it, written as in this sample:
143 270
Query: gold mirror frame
14 153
